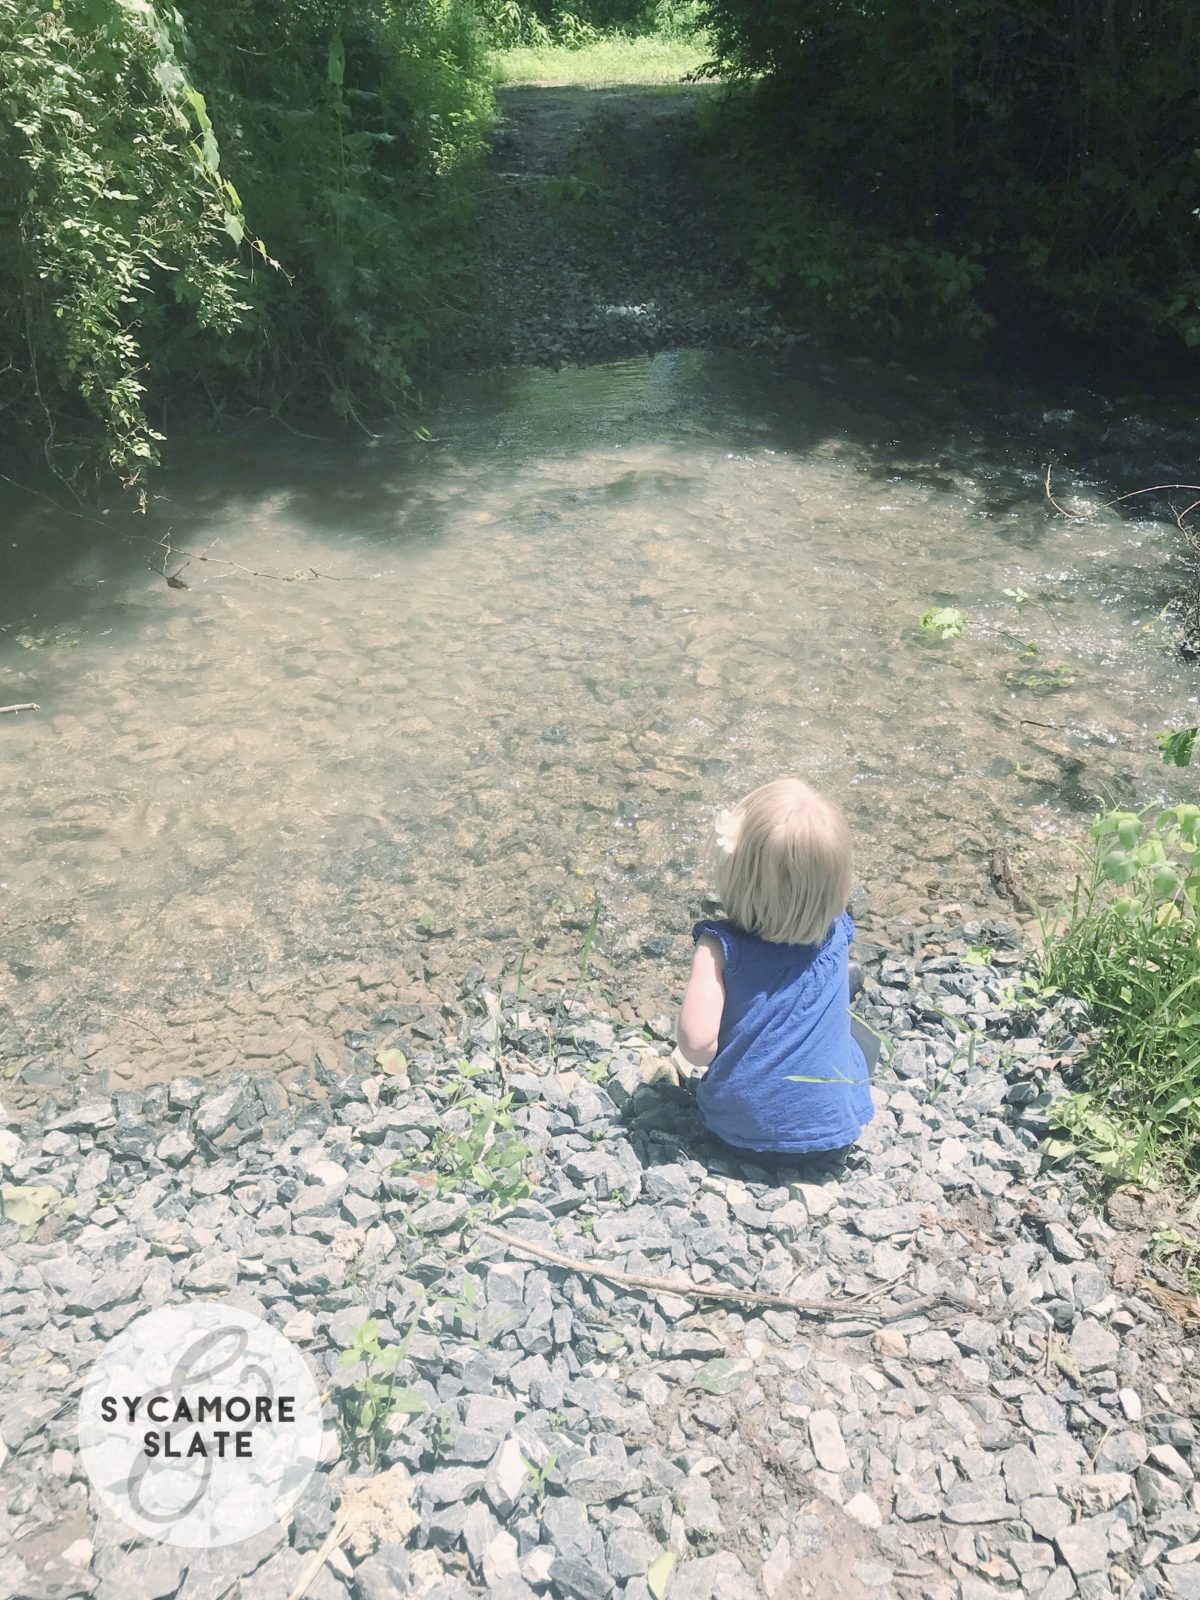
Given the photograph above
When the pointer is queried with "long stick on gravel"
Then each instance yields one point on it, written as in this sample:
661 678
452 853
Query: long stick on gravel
25 705
852 1305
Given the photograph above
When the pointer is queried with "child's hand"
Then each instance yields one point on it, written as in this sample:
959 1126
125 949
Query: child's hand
675 1069
685 1071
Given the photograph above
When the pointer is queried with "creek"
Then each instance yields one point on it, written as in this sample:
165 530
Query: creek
520 664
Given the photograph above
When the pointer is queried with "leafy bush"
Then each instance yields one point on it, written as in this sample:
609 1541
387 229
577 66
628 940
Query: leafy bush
1051 151
113 209
144 157
353 129
1130 951
825 265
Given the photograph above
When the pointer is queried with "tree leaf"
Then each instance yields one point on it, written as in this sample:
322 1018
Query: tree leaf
393 1062
658 1573
1177 747
406 1403
723 1375
26 1204
336 69
946 621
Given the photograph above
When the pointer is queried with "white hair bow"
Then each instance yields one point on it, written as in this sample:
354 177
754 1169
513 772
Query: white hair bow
729 825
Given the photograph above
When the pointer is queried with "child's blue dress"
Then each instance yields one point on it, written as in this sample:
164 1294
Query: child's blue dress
786 1014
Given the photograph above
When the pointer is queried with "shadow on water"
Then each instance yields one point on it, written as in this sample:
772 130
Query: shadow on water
590 607
57 555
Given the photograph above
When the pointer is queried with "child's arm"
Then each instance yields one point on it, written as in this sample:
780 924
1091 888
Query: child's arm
703 1003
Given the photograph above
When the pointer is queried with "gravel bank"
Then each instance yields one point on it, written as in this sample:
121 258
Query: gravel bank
991 1407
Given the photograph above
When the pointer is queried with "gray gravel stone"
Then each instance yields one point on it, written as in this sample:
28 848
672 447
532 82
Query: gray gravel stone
1183 1582
152 1572
1093 1346
699 1510
568 1528
888 1222
1084 1546
827 1443
579 1580
385 1574
717 1577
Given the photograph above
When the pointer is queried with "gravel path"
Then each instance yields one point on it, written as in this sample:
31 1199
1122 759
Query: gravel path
599 238
1000 1401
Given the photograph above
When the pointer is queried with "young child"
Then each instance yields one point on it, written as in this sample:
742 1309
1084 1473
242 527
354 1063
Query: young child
767 1001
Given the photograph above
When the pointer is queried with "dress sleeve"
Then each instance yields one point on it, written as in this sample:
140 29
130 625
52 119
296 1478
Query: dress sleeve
848 927
723 934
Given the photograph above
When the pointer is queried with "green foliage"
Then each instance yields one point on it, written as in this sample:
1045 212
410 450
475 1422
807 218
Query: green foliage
1130 952
535 1476
658 1574
354 130
1178 747
1017 156
146 154
495 1165
510 23
475 1144
370 1402
822 262
946 621
115 215
1106 1142
28 1205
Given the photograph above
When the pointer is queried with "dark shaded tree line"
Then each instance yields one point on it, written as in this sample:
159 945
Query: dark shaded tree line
237 202
930 163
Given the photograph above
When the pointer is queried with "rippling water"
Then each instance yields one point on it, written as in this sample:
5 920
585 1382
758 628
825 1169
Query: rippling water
544 645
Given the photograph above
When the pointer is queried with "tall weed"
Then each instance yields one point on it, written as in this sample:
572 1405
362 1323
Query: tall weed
1129 950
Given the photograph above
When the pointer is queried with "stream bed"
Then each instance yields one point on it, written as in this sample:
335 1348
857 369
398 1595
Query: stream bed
517 666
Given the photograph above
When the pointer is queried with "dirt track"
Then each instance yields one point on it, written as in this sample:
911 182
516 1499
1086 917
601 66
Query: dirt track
599 236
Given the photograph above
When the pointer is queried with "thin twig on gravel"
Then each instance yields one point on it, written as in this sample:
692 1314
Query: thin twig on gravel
25 705
858 1306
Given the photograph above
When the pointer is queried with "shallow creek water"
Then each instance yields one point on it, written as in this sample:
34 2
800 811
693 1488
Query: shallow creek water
545 646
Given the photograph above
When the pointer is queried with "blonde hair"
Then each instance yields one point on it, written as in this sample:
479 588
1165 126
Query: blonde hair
784 865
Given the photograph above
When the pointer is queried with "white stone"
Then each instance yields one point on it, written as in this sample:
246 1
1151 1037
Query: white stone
500 1559
535 1568
1131 1404
506 1477
776 1569
827 1443
819 1198
864 1511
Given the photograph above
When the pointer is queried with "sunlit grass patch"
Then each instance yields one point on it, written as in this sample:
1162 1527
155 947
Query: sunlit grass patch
609 59
1129 949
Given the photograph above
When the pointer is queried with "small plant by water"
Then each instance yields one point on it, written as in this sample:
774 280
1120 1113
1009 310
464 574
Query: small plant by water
1129 951
946 621
483 1154
1179 746
369 1404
